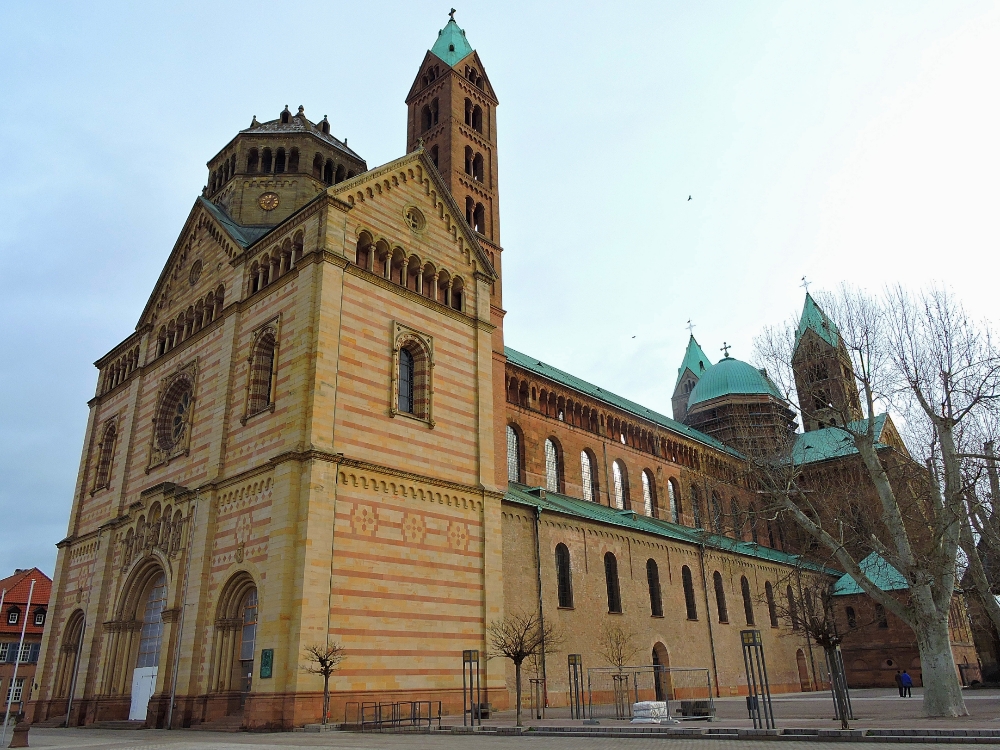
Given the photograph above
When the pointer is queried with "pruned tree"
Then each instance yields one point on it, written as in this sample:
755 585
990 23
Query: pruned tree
618 644
519 636
323 659
920 357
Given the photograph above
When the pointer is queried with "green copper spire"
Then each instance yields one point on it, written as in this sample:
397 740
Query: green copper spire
813 317
451 45
694 360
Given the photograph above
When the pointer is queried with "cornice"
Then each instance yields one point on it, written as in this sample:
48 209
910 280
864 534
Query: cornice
409 294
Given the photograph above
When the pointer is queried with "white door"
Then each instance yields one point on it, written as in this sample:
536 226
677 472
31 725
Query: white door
143 684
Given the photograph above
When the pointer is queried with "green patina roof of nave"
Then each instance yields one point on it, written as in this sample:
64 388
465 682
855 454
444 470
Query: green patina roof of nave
451 45
245 235
554 502
878 571
814 318
832 442
729 377
571 381
694 360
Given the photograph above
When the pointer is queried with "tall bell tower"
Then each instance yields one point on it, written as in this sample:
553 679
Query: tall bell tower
452 112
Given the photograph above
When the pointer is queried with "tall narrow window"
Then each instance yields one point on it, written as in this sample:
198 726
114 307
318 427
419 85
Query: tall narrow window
880 617
586 477
655 597
720 597
695 508
564 578
513 455
772 610
649 493
253 159
611 578
792 610
106 454
265 165
151 631
734 511
673 496
261 374
689 600
248 640
852 619
747 602
405 381
279 161
716 514
551 466
621 484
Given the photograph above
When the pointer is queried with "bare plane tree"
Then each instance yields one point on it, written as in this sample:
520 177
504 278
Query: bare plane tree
323 659
519 636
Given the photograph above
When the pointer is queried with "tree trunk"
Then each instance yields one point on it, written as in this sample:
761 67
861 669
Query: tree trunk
517 683
837 678
942 692
326 698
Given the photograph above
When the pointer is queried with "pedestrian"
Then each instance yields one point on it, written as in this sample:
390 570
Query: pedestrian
907 684
899 683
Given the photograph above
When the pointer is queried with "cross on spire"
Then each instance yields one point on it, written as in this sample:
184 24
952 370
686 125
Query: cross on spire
451 15
690 327
805 284
725 349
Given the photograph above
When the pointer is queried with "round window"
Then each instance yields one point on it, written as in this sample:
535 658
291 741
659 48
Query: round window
195 272
174 415
414 219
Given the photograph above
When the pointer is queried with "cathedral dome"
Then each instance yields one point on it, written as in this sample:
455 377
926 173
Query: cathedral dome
732 377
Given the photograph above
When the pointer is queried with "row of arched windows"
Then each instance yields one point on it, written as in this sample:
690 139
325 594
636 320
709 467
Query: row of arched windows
522 393
274 263
407 270
119 370
191 321
475 215
330 172
220 176
474 164
473 116
474 77
429 115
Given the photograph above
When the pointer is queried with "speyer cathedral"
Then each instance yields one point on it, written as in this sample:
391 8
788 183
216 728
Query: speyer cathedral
317 433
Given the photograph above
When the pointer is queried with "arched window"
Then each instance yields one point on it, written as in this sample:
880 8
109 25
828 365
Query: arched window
621 484
406 373
248 639
852 618
649 493
151 633
747 602
564 579
734 511
253 160
720 598
588 481
468 160
174 415
792 610
457 293
479 219
106 455
695 508
611 578
261 393
689 600
363 255
328 172
477 118
674 497
514 473
477 167
772 610
341 175
716 513
318 166
880 617
655 597
265 165
553 470
293 160
434 155
279 161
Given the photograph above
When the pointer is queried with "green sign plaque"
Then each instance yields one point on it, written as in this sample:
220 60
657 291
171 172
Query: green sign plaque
266 663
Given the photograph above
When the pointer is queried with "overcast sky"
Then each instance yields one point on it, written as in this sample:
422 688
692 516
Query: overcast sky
841 141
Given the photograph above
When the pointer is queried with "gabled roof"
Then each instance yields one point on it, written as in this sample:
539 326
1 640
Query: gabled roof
834 442
582 386
554 502
813 318
18 585
731 377
878 571
694 360
451 45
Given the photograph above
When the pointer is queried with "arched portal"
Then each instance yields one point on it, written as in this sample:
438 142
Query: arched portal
800 660
68 651
661 661
235 642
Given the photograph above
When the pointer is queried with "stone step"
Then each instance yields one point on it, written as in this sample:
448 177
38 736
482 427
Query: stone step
224 724
119 724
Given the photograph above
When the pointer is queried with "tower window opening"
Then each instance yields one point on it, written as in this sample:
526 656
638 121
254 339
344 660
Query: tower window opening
279 161
468 160
434 155
477 167
340 175
318 166
253 160
293 160
479 219
328 172
265 165
477 118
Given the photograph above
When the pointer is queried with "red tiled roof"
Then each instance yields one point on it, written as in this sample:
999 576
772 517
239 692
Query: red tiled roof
18 586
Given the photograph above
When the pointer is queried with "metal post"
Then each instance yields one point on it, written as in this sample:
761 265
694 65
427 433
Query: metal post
575 688
17 660
471 695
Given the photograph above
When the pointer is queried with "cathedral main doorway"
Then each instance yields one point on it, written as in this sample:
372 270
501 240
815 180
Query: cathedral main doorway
148 660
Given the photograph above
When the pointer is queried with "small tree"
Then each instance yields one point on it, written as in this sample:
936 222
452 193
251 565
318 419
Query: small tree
517 637
618 644
324 659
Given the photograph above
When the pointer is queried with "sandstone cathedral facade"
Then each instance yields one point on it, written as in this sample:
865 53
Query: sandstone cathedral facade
317 434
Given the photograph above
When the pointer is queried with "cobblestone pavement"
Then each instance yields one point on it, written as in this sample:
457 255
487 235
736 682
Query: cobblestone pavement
153 739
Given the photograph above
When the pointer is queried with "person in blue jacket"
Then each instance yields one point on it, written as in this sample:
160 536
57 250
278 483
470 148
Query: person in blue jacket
907 684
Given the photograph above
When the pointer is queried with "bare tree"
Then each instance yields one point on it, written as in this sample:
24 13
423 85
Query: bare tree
921 358
618 644
323 659
519 636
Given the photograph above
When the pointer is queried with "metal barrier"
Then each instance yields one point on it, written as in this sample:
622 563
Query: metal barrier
393 717
612 691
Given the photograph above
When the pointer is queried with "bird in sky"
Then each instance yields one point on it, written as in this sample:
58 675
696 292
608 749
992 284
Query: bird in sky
689 197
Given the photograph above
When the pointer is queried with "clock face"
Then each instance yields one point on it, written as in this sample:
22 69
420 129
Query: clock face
268 201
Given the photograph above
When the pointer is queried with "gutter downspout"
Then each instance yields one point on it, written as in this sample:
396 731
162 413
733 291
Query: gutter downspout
708 617
180 624
17 661
541 614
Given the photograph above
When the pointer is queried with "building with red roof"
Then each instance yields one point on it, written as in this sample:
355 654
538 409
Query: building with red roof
15 611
